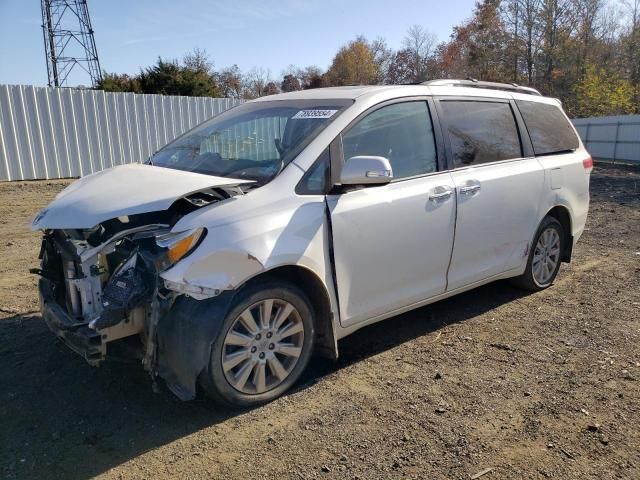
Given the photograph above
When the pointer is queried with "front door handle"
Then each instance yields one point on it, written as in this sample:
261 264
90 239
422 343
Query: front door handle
470 187
440 193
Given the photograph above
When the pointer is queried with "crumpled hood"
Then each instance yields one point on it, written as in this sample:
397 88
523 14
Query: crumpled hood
123 190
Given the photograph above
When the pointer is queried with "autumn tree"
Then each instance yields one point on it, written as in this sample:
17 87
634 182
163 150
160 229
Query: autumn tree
603 93
585 52
354 64
271 88
452 57
230 82
401 68
478 47
290 83
488 43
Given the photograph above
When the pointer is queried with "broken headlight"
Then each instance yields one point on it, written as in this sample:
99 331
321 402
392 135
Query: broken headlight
179 245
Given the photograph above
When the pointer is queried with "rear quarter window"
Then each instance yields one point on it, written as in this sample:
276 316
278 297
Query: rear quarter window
549 129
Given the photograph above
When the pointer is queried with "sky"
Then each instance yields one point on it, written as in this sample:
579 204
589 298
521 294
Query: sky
263 33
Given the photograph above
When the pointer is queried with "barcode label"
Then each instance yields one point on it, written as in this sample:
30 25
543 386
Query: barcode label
315 114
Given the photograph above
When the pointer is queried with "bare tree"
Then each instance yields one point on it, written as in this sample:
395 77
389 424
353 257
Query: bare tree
198 60
522 18
382 56
420 44
587 14
556 23
255 82
310 77
631 41
611 23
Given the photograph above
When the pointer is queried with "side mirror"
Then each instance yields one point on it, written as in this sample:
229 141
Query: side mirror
366 170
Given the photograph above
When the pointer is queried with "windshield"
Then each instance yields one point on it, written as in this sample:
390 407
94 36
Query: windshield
253 141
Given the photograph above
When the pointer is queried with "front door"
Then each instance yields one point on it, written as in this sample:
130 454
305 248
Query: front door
392 243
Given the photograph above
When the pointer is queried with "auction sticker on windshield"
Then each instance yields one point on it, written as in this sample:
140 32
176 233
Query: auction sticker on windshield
315 114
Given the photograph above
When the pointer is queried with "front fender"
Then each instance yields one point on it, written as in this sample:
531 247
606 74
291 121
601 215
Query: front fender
233 253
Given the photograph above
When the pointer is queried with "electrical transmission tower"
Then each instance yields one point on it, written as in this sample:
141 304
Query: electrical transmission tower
68 41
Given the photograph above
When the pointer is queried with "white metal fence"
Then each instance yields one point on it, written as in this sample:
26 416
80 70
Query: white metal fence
611 138
58 133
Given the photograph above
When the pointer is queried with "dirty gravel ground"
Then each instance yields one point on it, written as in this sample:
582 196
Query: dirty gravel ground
543 385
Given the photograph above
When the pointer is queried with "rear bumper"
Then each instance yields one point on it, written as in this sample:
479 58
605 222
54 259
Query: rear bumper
76 335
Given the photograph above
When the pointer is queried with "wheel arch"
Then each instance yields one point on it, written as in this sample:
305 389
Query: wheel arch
184 333
316 291
563 215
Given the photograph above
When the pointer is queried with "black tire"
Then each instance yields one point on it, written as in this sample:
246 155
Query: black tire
527 280
213 379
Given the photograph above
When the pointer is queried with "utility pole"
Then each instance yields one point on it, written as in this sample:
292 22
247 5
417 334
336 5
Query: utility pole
68 41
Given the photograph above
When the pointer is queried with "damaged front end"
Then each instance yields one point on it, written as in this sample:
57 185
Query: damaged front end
101 287
93 295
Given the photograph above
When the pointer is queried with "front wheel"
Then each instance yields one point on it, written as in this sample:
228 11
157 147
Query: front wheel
265 343
544 258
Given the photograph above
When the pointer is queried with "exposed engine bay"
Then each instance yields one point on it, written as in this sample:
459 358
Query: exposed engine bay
102 284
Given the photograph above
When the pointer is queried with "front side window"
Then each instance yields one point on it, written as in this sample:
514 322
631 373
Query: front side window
481 132
549 129
401 132
318 178
253 141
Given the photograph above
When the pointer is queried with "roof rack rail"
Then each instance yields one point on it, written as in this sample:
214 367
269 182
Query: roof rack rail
474 83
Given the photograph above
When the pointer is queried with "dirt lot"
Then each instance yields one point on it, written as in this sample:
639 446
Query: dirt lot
530 386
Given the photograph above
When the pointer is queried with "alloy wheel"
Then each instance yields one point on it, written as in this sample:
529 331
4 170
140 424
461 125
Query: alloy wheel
262 346
546 256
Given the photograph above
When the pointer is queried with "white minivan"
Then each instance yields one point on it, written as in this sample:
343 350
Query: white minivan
286 223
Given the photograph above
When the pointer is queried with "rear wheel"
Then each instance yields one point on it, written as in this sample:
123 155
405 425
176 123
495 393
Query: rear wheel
265 344
544 258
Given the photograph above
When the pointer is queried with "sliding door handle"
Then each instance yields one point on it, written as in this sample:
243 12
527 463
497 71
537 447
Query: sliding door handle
470 188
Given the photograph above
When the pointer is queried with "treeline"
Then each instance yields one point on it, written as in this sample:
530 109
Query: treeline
585 52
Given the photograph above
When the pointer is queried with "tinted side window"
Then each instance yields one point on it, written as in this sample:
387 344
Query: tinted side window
481 132
401 132
548 128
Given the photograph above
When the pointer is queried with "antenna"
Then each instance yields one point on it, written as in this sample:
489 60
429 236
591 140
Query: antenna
68 41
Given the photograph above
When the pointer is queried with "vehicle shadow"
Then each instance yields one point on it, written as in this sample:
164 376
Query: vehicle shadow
397 330
64 419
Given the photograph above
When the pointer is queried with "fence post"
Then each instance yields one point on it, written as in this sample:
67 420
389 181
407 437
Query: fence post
615 144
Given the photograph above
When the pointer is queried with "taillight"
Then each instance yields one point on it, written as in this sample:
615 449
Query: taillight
587 163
